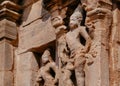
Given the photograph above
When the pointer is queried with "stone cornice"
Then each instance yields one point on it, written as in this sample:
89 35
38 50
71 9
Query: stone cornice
98 11
10 5
9 14
52 5
9 10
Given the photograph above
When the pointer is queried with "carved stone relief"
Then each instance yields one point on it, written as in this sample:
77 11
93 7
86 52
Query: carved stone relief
44 73
73 55
67 42
78 46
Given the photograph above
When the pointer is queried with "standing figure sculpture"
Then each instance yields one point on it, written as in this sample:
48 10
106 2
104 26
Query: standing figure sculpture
77 49
66 75
60 30
44 72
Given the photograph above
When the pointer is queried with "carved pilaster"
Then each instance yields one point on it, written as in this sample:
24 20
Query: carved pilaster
99 21
114 47
8 32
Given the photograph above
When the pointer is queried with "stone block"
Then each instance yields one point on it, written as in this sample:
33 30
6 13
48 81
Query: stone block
33 12
6 78
6 56
8 29
36 35
25 78
26 67
26 61
36 29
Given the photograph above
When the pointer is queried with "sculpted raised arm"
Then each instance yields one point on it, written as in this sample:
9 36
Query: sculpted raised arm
86 36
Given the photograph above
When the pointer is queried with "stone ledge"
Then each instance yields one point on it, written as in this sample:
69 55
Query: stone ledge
9 10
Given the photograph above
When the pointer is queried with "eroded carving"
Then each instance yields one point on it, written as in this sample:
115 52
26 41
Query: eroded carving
67 73
90 5
62 52
86 54
73 54
78 51
44 73
58 24
98 20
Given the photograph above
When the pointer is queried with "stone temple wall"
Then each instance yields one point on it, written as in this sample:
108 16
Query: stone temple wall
59 43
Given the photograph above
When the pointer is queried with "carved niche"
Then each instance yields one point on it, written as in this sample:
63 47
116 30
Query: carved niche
76 25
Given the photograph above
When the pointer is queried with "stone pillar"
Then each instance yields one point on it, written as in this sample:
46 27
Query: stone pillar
35 35
26 69
115 47
6 63
8 32
99 21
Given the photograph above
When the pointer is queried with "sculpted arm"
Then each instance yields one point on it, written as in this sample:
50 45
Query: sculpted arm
86 36
63 49
39 76
55 69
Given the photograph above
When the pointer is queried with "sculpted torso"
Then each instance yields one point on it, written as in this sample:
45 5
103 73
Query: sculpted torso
73 39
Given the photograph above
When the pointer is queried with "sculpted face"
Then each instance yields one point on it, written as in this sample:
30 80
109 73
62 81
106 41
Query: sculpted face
45 56
57 21
73 23
75 20
45 60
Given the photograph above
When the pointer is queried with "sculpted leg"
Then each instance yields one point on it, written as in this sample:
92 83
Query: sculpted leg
79 69
80 75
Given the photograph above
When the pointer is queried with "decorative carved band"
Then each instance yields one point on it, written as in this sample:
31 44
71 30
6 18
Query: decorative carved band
9 10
